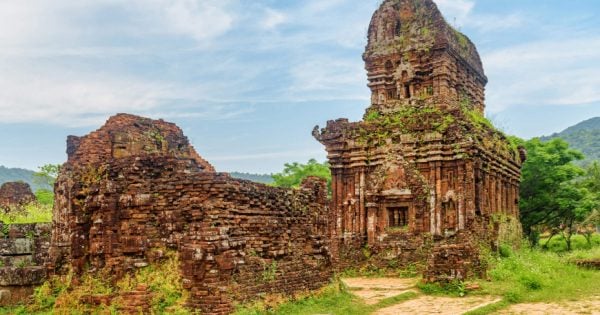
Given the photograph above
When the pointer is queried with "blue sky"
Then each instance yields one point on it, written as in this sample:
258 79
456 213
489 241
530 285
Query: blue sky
248 80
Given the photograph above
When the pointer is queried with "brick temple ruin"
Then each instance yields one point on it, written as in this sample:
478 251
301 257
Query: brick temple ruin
424 178
424 165
136 187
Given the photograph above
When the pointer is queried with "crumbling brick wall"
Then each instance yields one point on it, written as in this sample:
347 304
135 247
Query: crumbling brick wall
236 239
15 194
23 252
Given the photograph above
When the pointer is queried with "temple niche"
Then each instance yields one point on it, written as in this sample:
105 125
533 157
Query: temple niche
424 164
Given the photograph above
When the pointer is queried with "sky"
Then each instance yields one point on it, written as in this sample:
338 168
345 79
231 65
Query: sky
248 80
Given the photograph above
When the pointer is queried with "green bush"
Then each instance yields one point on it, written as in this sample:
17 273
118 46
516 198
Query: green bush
505 251
45 196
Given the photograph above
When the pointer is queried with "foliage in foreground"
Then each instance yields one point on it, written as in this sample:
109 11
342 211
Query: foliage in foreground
65 294
555 193
532 275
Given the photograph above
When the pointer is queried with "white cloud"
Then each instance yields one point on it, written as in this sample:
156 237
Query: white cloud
69 23
326 78
273 18
200 20
456 10
53 55
550 72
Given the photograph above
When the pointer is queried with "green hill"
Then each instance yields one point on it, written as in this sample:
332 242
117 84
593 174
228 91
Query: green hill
18 174
585 137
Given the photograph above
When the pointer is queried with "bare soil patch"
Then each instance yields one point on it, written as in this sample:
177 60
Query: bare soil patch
591 306
438 305
373 290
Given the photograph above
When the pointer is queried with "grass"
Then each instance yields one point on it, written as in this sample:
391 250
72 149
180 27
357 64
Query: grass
30 213
490 308
533 275
558 245
371 271
334 299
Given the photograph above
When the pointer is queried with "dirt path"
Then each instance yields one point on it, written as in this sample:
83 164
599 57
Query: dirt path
374 290
438 305
591 306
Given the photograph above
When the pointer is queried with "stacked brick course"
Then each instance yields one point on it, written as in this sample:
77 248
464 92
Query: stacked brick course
236 239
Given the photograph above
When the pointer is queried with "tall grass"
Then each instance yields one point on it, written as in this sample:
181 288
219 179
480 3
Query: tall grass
30 213
532 275
334 299
558 244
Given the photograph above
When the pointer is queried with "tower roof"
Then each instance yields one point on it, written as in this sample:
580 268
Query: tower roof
400 26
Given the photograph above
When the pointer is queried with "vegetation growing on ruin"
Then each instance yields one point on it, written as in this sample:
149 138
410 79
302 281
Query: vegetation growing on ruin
68 294
424 119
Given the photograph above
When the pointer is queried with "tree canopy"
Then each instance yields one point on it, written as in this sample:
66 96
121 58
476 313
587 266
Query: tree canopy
294 173
552 192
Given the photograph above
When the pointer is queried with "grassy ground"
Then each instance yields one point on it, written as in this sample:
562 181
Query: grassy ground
558 245
537 276
31 213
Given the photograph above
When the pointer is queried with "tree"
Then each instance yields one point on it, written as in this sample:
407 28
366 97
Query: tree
549 193
294 173
46 177
592 182
592 178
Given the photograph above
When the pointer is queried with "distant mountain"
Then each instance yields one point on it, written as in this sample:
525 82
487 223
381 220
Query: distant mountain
585 137
259 178
18 174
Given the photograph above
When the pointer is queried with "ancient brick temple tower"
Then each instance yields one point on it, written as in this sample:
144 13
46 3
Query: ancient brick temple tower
424 161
